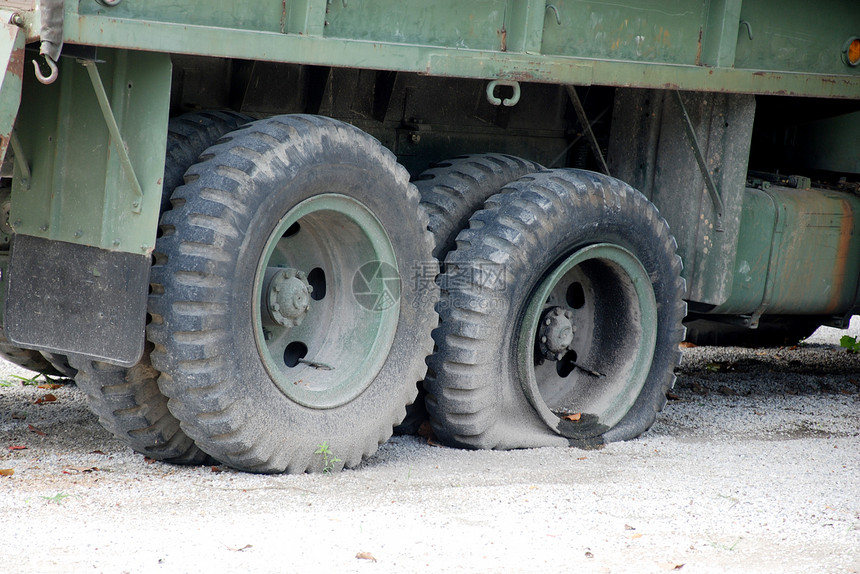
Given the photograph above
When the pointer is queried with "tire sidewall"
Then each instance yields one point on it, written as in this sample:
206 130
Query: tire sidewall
603 211
348 170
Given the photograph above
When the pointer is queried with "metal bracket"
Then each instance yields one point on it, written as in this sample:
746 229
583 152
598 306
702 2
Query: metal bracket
586 125
509 102
20 160
716 200
554 9
115 134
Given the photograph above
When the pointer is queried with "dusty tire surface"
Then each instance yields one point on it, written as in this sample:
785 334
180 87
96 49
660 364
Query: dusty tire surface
451 191
188 135
277 181
129 405
478 395
127 400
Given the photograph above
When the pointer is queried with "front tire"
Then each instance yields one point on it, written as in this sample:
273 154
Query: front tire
560 317
290 317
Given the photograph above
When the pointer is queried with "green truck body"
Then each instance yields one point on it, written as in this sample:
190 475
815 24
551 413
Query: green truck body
739 121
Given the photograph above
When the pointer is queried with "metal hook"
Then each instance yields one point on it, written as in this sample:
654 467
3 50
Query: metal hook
555 10
509 102
51 65
749 28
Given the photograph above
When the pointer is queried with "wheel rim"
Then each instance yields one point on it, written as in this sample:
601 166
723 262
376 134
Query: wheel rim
587 340
323 346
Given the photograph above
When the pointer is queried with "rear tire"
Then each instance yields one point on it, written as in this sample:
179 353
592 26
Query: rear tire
560 317
451 191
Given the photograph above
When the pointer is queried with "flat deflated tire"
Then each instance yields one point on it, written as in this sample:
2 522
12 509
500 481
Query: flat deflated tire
286 323
451 191
560 317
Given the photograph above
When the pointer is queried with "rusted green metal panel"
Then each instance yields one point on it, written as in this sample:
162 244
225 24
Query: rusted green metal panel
667 31
797 35
257 16
720 33
645 43
798 253
12 53
475 25
79 191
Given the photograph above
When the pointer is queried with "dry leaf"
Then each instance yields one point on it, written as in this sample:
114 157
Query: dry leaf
671 566
50 386
216 469
97 452
365 556
19 416
582 458
49 398
7 471
245 547
672 396
687 345
17 447
78 469
426 431
148 460
31 428
574 417
637 535
628 527
699 389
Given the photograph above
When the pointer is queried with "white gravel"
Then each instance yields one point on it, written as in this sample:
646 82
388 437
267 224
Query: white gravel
754 467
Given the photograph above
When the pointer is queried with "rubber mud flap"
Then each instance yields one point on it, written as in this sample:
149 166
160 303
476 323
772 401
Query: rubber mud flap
76 300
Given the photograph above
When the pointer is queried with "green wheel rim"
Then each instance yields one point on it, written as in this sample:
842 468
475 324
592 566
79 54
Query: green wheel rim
607 295
333 350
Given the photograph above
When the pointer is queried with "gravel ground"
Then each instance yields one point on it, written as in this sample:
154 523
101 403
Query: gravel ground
754 466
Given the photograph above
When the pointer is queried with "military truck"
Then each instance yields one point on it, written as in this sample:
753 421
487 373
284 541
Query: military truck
252 231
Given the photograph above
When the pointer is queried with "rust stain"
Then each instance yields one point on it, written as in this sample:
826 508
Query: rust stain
520 77
283 16
699 49
504 36
842 252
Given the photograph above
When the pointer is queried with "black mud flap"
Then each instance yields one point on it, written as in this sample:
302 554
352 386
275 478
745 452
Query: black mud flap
76 299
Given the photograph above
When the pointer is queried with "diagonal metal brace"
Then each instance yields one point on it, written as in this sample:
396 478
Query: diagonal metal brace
586 126
115 134
716 200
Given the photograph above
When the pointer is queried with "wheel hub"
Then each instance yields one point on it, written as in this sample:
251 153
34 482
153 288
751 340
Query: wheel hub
288 299
556 333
